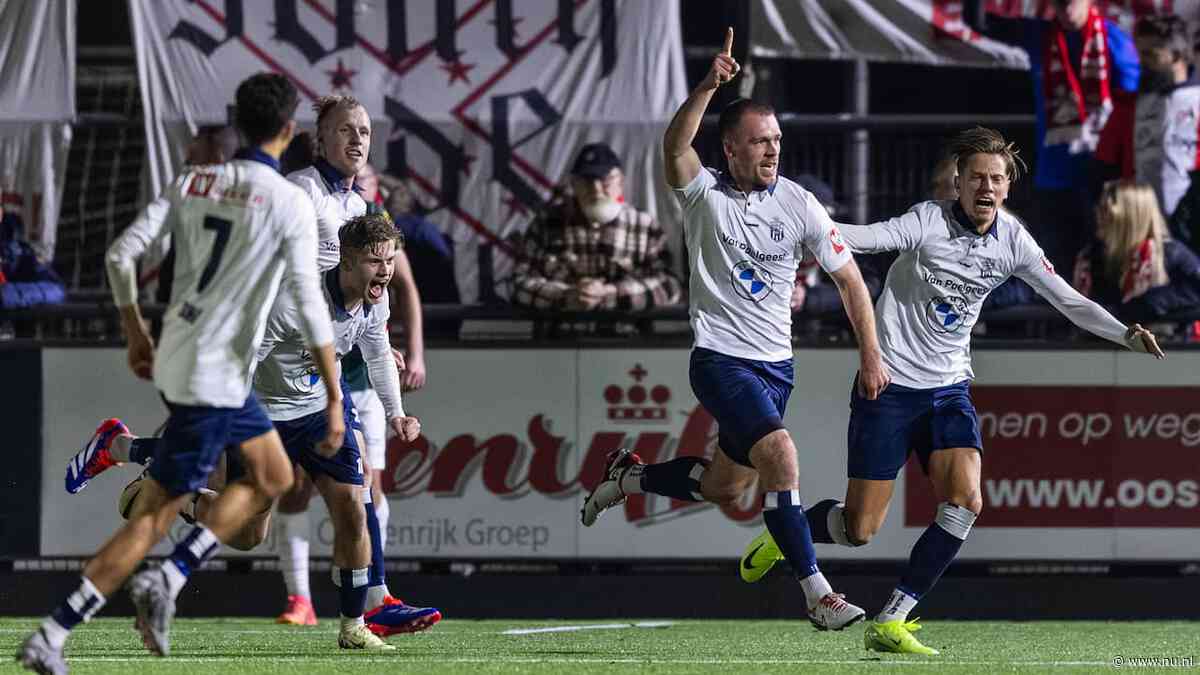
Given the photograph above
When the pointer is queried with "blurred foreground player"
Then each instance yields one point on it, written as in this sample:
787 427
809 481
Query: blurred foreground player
746 231
236 228
953 253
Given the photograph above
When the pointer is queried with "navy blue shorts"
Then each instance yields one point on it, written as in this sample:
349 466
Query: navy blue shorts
302 435
747 398
902 420
195 437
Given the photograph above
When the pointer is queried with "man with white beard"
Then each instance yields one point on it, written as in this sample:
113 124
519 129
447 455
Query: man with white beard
591 250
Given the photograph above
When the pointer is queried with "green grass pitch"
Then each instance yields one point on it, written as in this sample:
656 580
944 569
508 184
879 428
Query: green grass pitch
234 646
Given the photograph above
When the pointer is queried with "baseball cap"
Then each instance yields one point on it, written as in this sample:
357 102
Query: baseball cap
595 160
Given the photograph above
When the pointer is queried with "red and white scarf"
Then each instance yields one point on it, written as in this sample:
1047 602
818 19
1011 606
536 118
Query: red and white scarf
1077 105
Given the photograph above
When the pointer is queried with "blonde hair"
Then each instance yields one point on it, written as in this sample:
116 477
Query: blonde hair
324 107
1126 216
981 140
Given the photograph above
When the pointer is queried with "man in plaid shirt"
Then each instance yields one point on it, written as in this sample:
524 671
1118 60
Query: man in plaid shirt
592 250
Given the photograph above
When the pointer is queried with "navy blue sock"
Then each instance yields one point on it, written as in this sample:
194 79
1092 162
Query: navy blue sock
377 575
352 592
141 450
936 548
678 478
817 516
784 517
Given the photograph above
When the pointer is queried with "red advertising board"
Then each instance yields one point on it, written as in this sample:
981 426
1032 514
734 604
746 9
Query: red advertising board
1058 456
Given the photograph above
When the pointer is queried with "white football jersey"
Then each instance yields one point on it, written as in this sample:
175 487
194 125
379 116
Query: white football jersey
236 228
334 207
743 251
935 289
287 383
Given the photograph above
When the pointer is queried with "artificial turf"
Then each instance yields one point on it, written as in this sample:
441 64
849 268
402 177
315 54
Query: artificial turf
234 646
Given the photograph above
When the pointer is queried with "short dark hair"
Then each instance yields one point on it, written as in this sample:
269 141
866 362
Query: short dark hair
362 233
732 115
266 102
1170 29
981 140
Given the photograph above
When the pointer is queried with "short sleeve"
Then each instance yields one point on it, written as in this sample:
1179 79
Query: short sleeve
821 236
692 193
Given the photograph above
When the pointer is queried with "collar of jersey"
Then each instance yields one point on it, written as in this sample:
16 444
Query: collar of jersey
339 300
964 222
725 180
334 178
257 155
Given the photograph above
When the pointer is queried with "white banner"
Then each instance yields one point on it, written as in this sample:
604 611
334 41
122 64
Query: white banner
37 106
1075 467
922 31
481 104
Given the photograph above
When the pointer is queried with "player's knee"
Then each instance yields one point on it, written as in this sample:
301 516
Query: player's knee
274 484
972 501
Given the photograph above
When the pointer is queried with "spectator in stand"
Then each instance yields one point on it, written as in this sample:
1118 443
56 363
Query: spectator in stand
1080 62
1153 137
25 281
1134 264
591 250
430 252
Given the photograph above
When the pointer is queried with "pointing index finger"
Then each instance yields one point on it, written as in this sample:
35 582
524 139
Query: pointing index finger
728 50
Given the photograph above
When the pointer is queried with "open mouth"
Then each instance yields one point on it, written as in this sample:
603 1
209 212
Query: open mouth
985 203
375 290
355 153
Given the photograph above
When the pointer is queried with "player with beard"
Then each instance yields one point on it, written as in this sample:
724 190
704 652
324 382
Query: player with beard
952 254
746 232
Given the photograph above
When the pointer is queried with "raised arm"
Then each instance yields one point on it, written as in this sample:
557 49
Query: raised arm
682 162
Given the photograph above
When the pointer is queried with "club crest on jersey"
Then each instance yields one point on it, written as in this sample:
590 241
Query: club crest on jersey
751 282
987 268
946 314
776 230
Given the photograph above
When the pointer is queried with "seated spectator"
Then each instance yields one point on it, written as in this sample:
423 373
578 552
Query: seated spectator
25 281
1152 138
1134 264
591 250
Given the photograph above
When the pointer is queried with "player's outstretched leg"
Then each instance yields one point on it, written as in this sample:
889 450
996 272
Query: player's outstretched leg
387 615
626 474
825 523
955 473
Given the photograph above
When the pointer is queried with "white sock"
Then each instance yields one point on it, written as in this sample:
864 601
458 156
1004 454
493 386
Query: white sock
293 552
382 510
897 607
351 622
175 578
631 480
119 449
815 587
55 634
376 594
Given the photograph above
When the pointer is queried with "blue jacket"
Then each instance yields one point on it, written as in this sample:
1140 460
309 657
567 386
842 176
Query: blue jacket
30 282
